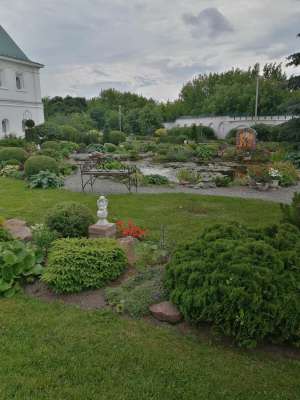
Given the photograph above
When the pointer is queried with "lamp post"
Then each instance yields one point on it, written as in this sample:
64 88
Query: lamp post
120 118
257 97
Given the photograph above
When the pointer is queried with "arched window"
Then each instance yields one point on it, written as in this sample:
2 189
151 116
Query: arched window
19 81
5 126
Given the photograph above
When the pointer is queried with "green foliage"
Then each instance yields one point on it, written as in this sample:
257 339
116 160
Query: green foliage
16 153
5 236
17 263
69 219
42 238
233 92
110 147
289 174
289 131
76 265
116 137
12 141
223 181
244 281
150 254
178 154
195 133
155 179
294 158
138 293
187 175
291 213
111 164
36 164
206 152
265 133
45 180
259 173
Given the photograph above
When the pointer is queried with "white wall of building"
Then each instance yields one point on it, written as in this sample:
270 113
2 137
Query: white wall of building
16 104
223 125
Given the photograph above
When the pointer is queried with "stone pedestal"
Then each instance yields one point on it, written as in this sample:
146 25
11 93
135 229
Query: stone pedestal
128 244
102 231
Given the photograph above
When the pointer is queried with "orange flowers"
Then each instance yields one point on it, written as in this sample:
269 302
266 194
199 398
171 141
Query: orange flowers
130 229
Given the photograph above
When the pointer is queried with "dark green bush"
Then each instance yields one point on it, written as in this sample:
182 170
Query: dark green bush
110 147
155 179
13 153
12 141
243 281
5 236
291 213
116 137
35 164
70 219
75 265
265 133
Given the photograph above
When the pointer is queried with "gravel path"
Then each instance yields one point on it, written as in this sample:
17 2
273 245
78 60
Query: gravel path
107 186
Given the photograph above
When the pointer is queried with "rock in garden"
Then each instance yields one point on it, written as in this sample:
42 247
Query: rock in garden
18 229
127 244
166 312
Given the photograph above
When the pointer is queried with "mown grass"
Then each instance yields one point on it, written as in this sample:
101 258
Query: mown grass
183 215
51 351
58 352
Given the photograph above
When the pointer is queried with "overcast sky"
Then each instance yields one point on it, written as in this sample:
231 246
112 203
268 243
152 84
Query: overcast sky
150 47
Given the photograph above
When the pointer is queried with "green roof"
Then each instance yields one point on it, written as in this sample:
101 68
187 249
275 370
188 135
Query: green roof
8 48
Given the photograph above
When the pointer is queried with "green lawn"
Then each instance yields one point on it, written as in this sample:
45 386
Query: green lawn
51 351
182 214
58 352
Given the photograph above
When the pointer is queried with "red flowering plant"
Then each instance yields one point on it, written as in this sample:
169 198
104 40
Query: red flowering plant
130 229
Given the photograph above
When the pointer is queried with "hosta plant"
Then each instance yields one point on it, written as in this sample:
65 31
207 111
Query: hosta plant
18 263
45 180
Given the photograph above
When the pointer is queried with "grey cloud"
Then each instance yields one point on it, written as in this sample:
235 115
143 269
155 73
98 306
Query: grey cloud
210 22
148 46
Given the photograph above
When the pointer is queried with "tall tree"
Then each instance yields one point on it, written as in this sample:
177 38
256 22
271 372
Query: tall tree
294 60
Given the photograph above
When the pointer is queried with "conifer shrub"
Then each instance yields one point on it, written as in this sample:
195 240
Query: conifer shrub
75 265
243 281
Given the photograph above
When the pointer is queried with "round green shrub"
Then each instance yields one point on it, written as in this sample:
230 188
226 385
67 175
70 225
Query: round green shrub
70 219
13 153
243 281
75 265
110 147
35 164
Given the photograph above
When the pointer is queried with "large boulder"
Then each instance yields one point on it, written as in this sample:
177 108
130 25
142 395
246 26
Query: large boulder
18 229
166 312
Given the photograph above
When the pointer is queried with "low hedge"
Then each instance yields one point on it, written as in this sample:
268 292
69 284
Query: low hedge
243 281
75 265
13 153
70 219
35 164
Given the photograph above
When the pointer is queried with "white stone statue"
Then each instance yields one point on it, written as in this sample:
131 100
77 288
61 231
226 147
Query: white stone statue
102 213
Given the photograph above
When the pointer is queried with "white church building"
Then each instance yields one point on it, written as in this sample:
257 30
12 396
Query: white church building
20 91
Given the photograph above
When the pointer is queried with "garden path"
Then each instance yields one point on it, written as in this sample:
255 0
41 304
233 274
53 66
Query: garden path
108 186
